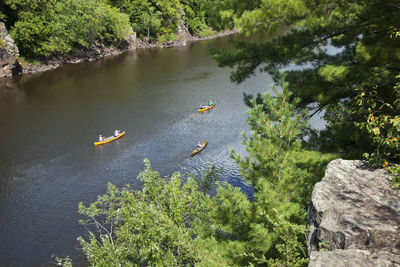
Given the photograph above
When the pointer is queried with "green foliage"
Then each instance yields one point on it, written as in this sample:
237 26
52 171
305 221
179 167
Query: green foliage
271 14
308 168
31 35
49 27
255 232
395 170
206 32
342 45
208 178
159 19
2 15
223 14
332 73
271 143
135 9
114 27
7 14
270 229
151 18
171 11
194 17
291 250
150 21
56 27
341 135
383 125
158 226
29 61
167 37
66 262
381 120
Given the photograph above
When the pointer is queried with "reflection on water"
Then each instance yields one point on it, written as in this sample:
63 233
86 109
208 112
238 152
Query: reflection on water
10 91
49 121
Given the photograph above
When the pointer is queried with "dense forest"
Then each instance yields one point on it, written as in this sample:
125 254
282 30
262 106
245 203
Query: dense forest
49 27
347 55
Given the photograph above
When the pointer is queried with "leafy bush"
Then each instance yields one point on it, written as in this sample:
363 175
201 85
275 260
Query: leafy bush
115 26
206 32
58 27
167 37
383 125
158 226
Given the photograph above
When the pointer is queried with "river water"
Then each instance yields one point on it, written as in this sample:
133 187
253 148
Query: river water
49 121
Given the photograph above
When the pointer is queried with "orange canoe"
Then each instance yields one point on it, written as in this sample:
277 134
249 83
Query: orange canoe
109 139
206 108
197 150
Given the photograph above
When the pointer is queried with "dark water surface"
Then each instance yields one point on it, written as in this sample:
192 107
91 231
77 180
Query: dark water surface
49 121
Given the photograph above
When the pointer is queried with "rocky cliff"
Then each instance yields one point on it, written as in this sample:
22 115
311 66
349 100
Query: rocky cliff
9 53
354 217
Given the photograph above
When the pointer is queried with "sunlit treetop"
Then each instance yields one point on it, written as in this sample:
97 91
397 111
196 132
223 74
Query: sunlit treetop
340 45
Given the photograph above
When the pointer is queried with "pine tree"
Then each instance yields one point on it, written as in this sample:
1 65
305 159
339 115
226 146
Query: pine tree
339 46
275 131
269 230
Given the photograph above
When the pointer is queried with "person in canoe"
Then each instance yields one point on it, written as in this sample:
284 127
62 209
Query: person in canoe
116 132
198 146
210 103
101 138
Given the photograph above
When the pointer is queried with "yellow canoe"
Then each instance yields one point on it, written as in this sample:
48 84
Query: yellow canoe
197 150
109 139
206 108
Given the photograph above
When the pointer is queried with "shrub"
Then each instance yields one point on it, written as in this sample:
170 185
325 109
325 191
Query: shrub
167 37
59 27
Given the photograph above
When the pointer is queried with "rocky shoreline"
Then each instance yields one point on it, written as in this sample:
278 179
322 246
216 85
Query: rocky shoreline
10 65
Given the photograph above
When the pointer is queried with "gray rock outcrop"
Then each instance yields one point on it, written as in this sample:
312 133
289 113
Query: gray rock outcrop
182 29
354 217
7 41
353 258
9 65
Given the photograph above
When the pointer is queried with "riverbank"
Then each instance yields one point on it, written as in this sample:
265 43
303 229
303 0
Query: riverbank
98 51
